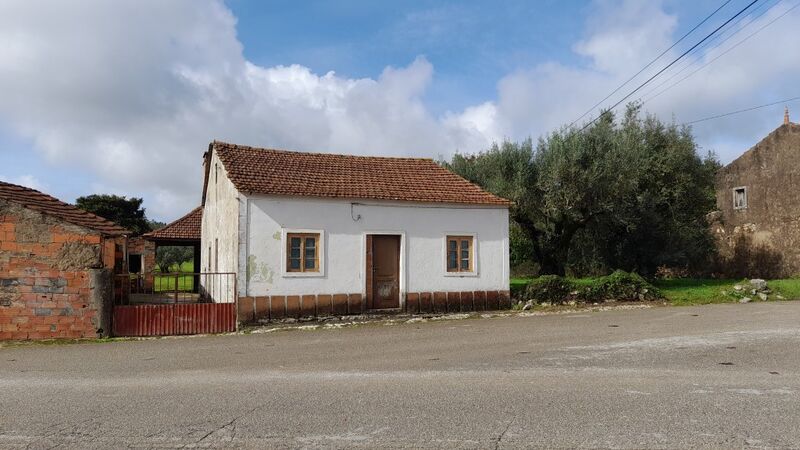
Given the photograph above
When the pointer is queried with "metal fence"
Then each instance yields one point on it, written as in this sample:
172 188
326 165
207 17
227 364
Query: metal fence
156 288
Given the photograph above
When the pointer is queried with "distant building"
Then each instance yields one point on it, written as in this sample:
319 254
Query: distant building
757 224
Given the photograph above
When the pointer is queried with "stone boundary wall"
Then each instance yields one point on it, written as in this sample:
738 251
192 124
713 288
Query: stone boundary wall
277 307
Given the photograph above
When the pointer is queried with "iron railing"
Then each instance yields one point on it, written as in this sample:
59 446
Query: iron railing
172 288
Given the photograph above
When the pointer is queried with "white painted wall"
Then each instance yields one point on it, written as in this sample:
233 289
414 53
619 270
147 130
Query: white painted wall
423 226
221 222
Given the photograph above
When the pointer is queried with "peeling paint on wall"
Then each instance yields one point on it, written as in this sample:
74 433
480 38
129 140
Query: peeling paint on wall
260 272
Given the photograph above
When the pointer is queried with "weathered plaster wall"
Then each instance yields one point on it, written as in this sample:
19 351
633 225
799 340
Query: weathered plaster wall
54 277
220 233
423 228
771 222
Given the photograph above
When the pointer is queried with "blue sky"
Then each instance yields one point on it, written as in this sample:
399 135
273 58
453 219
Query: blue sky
471 44
124 96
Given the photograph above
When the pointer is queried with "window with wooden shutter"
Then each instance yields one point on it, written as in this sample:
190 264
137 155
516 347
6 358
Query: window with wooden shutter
460 254
302 252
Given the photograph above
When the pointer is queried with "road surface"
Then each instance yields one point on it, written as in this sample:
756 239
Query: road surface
664 377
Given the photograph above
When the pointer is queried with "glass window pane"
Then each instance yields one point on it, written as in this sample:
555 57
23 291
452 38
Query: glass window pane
294 253
452 260
295 242
311 242
465 264
310 253
294 263
464 253
464 244
310 263
452 245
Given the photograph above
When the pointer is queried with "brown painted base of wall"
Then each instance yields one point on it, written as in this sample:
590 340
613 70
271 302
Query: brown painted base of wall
276 307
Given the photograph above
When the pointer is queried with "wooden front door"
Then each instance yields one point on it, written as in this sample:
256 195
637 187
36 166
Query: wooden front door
385 271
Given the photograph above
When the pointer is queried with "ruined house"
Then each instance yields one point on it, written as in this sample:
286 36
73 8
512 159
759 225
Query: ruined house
757 224
56 267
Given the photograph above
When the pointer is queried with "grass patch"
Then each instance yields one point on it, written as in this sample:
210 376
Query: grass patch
698 291
166 283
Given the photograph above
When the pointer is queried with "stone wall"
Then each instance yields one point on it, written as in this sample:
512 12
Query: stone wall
276 307
54 276
764 237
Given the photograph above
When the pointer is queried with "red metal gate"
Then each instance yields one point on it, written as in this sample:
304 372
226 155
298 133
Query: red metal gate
154 304
173 319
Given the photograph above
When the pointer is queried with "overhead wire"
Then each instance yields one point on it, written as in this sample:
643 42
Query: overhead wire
723 53
752 108
720 40
652 61
716 30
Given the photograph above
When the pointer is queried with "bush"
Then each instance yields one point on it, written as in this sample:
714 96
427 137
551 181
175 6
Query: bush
550 288
621 286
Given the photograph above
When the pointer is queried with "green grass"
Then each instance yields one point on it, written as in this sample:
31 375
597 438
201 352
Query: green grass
166 283
699 291
694 291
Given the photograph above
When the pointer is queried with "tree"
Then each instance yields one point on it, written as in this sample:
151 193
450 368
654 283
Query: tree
630 195
155 224
125 212
170 258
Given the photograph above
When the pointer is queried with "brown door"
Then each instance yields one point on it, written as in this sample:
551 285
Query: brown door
385 271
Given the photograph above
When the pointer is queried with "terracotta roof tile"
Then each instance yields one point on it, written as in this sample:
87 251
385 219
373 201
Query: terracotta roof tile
281 172
185 228
37 201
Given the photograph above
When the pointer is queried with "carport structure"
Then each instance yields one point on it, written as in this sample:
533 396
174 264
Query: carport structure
144 283
152 303
184 232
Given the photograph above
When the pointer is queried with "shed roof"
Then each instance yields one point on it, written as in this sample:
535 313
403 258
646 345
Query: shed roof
187 228
46 204
281 172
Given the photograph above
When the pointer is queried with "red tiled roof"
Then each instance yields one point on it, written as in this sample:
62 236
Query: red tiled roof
37 201
185 228
281 172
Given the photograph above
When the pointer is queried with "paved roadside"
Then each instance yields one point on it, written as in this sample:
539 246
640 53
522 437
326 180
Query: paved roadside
711 376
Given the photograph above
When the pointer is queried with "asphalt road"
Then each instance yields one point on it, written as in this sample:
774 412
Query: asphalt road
713 376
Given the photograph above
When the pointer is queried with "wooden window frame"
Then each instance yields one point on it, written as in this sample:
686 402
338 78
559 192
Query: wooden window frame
319 256
459 237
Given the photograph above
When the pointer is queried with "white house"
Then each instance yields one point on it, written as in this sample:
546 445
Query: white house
313 233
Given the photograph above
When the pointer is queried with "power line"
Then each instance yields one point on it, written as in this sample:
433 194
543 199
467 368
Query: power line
787 100
690 63
673 61
723 53
651 62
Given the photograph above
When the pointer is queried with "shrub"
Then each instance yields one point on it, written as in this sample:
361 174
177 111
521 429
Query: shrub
621 286
550 288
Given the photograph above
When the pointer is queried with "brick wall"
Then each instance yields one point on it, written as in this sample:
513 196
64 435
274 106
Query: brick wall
276 307
46 282
141 246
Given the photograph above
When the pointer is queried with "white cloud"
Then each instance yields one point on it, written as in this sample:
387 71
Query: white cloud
25 180
622 37
135 90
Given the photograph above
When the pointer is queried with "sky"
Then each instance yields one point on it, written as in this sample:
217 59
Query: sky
124 97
